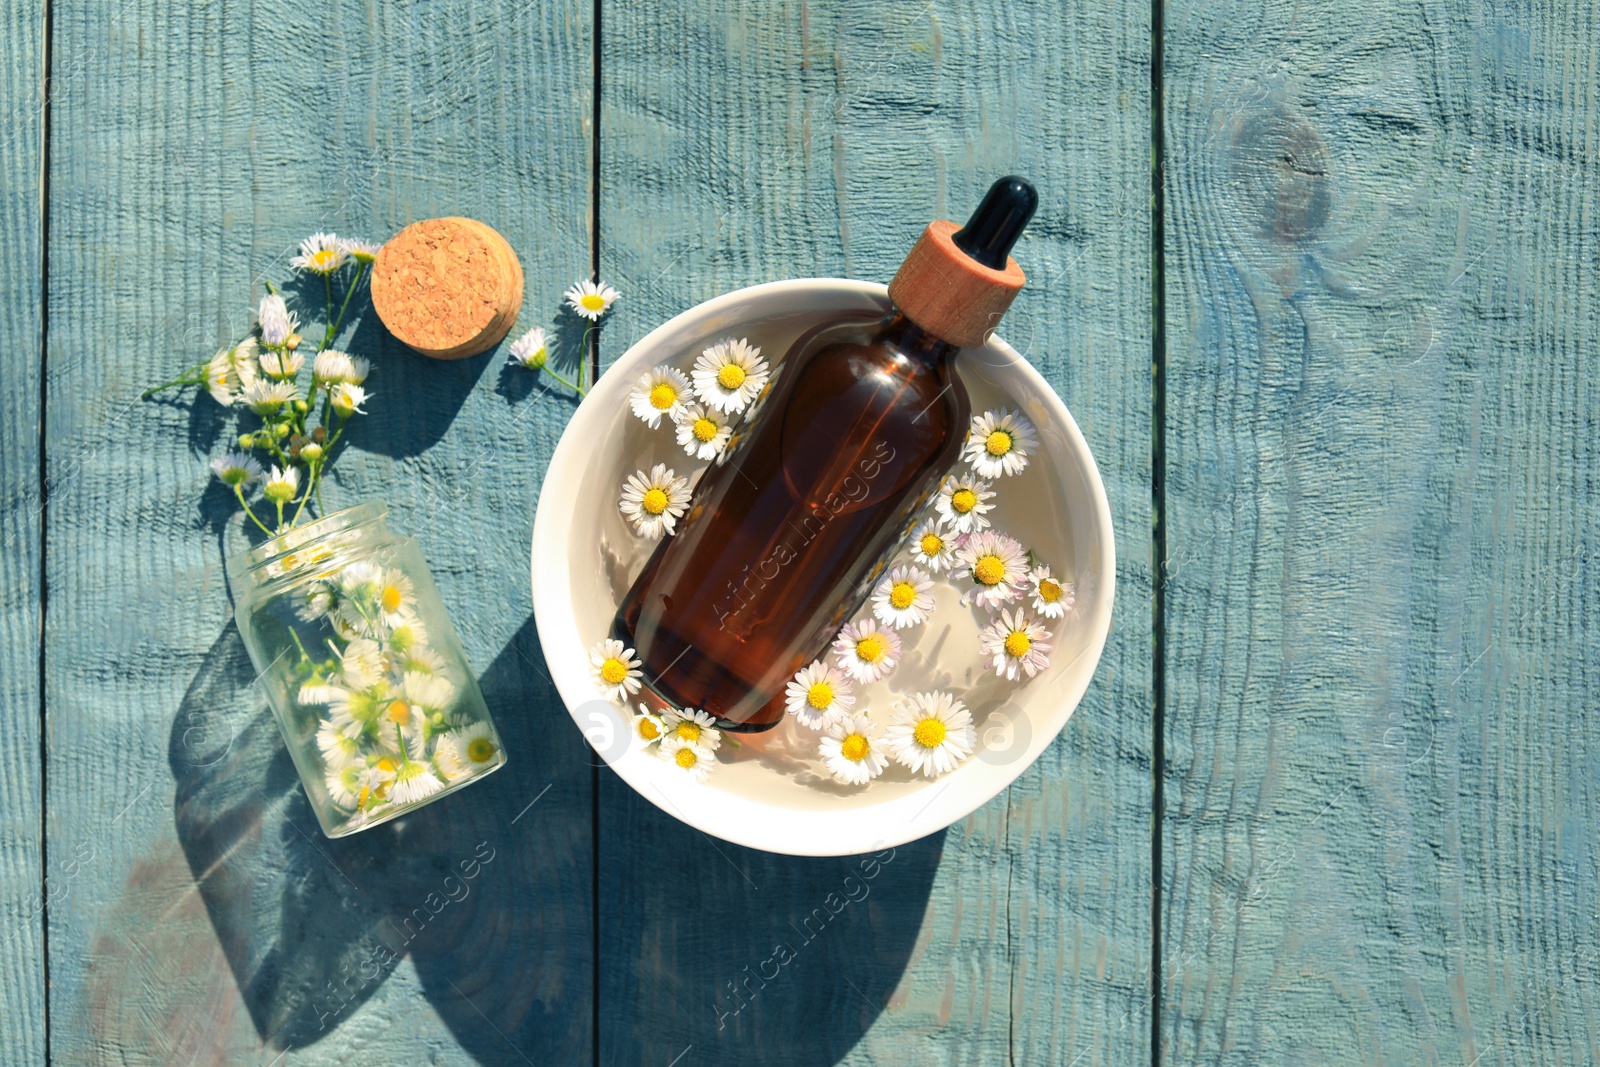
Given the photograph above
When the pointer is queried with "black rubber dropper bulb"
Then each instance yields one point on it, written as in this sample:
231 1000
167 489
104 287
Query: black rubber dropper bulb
998 221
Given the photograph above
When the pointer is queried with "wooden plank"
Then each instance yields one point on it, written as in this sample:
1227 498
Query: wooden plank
745 144
22 896
210 921
1381 840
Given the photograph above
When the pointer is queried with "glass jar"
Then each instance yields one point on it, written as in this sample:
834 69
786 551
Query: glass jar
364 672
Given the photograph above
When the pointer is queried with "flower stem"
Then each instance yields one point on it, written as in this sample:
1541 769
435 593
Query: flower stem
570 385
337 323
238 491
193 376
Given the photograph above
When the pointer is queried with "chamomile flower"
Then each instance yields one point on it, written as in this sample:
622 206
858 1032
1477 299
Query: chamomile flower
932 547
318 692
999 443
647 726
347 399
703 432
360 251
818 695
998 566
1013 643
413 781
346 783
321 253
395 591
1052 597
278 323
694 760
530 350
659 393
853 752
729 374
409 717
429 692
903 597
281 364
313 601
267 398
330 368
282 484
407 634
221 376
591 299
359 369
474 748
653 502
236 469
866 651
420 659
931 733
962 503
616 669
361 664
337 746
695 727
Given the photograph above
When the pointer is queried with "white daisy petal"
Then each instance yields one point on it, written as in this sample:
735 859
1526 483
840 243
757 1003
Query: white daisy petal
997 566
866 651
1014 643
703 432
654 502
694 760
530 350
321 253
277 322
818 695
931 733
648 727
616 669
932 547
729 374
999 443
692 726
963 503
658 394
1052 597
236 469
591 299
852 750
903 597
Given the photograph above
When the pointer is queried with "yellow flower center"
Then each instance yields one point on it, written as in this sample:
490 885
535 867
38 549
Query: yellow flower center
399 711
1049 591
592 301
686 758
663 397
613 671
989 570
481 750
902 594
963 500
929 733
689 731
932 544
998 443
323 257
870 649
390 598
648 729
854 748
655 501
704 430
731 376
386 764
361 797
820 695
1017 644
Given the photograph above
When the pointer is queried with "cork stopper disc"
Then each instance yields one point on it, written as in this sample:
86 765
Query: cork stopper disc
950 294
449 287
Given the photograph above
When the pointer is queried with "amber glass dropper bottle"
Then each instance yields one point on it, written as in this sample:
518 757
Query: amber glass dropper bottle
789 528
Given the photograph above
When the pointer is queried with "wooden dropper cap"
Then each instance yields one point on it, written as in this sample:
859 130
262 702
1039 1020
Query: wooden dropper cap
956 284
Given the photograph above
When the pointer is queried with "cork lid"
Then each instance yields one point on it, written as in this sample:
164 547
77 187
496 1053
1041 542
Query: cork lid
958 283
449 287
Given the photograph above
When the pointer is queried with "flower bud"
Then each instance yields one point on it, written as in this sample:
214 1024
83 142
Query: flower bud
293 342
247 440
281 430
319 435
311 452
301 407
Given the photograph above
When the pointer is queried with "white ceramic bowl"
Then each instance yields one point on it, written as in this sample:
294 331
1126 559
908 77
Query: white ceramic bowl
772 792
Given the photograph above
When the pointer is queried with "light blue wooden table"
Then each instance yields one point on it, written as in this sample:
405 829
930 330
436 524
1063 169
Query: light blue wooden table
1334 795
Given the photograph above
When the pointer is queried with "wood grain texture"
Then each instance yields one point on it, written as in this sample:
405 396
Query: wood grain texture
760 142
209 921
1381 830
22 894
